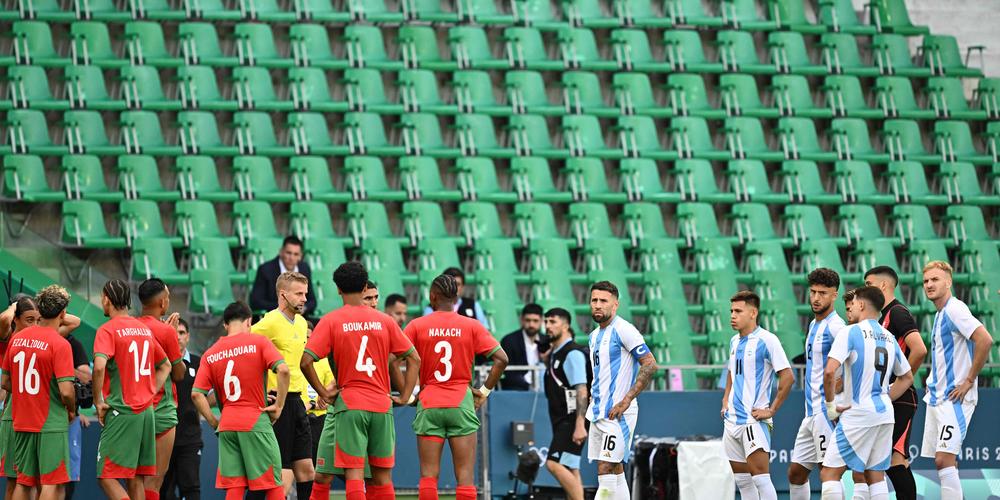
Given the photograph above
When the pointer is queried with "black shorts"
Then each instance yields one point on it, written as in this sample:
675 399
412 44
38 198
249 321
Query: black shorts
904 412
293 432
563 450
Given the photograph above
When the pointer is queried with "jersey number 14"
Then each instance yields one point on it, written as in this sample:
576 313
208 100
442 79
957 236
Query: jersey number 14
142 367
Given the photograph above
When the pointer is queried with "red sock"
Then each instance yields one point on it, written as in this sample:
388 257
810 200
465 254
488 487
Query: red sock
276 493
235 493
355 489
428 488
152 495
320 491
383 492
465 493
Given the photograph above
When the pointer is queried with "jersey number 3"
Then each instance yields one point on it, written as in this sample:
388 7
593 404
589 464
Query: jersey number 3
444 349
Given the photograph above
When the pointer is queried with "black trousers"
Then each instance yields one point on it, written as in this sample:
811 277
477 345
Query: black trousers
183 474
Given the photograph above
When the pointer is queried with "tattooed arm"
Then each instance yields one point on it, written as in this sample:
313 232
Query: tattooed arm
647 368
582 401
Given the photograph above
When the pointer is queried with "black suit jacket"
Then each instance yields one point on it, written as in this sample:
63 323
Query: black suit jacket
263 296
517 354
188 421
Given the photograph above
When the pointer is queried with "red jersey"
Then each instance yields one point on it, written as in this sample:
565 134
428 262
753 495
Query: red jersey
447 343
132 352
358 340
236 368
38 358
166 336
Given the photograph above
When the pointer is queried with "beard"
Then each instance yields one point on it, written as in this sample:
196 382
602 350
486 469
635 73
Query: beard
599 317
821 311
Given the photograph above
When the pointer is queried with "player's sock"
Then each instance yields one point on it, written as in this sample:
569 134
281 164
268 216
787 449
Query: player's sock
303 489
765 489
463 492
322 491
152 495
355 489
276 493
951 485
429 488
606 486
748 490
381 492
879 491
235 493
860 492
798 491
832 490
622 493
903 482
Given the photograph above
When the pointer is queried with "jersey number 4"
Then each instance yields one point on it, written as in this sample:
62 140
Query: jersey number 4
364 364
29 380
142 367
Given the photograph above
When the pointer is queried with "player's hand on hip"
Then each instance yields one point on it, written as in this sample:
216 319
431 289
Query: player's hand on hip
478 399
102 410
331 394
619 409
84 421
273 411
958 393
762 413
580 434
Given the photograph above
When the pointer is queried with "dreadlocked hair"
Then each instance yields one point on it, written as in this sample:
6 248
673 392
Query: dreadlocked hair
445 285
118 293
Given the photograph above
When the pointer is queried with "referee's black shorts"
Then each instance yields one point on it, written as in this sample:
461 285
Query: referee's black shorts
904 412
292 432
562 449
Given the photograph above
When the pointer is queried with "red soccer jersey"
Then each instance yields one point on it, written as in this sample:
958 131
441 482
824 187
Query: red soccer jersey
38 359
447 343
167 338
236 367
132 352
358 340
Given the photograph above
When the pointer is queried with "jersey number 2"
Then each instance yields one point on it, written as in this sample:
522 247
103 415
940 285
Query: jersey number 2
364 364
29 381
444 349
141 367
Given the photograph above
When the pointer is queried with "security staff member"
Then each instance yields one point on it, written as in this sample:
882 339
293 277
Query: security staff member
566 383
183 478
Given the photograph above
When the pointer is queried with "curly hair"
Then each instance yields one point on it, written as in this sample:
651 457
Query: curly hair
351 277
51 301
824 276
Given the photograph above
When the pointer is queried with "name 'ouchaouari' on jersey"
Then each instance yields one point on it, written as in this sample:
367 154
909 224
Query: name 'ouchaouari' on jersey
753 361
615 351
870 354
951 352
818 343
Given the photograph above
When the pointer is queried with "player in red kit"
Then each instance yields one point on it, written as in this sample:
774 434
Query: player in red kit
357 340
448 344
38 373
155 299
236 368
130 367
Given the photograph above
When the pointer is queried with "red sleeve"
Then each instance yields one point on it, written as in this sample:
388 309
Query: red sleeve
485 342
411 333
170 344
203 379
158 355
398 343
319 341
269 353
104 342
63 359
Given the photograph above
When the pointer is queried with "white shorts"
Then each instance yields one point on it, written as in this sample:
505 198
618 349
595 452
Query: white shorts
860 448
742 440
944 428
611 440
812 440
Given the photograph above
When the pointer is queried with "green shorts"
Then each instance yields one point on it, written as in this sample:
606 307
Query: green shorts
41 457
363 434
7 445
128 445
249 459
165 417
447 422
325 461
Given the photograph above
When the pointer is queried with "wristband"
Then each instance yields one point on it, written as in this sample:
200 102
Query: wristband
413 397
484 391
831 410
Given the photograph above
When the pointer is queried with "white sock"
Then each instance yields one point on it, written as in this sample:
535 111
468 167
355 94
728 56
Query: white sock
798 491
832 490
951 486
622 492
765 489
860 491
879 491
606 486
748 491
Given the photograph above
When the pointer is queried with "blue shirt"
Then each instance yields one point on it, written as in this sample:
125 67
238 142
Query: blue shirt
575 365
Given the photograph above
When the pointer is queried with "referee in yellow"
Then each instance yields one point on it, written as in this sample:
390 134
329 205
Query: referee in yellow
288 330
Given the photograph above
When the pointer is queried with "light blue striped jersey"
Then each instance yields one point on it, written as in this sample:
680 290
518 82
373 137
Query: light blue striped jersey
951 352
869 354
615 353
753 361
818 342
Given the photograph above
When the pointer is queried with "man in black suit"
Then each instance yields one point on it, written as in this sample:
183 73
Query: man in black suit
524 347
185 462
263 296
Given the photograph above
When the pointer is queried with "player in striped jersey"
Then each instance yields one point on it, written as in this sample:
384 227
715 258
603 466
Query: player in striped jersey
959 347
755 355
862 439
814 433
623 367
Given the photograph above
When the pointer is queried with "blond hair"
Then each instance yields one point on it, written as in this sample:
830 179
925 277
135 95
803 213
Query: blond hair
939 264
288 277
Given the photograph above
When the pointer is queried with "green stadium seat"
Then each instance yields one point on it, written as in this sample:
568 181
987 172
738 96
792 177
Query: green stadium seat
323 255
365 134
805 223
643 223
42 10
534 220
24 180
214 254
552 287
526 93
740 97
145 44
752 222
843 95
482 12
855 182
476 137
841 55
85 134
253 178
588 182
765 256
83 179
684 52
310 220
966 223
142 134
141 89
366 179
891 53
588 13
788 54
640 13
424 219
477 180
421 178
499 295
320 11
779 316
369 220
254 219
210 292
310 179
859 223
327 298
992 136
903 141
28 133
748 180
421 136
255 46
255 90
266 10
582 93
374 11
589 220
33 44
383 254
987 97
640 180
839 16
309 90
260 250
908 183
472 49
91 45
428 11
894 95
28 87
154 257
529 135
197 178
805 185
633 52
83 227
433 254
692 139
495 254
198 89
101 10
199 44
687 96
638 137
479 221
742 15
608 255
197 219
580 51
737 53
745 140
310 135
792 95
947 99
961 184
913 224
525 49
418 92
953 142
697 221
942 56
139 177
821 253
473 93
892 16
86 90
691 13
419 48
310 46
851 141
366 49
791 15
198 133
633 94
255 135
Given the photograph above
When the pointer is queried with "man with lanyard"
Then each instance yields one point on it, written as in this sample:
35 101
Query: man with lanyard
566 382
185 462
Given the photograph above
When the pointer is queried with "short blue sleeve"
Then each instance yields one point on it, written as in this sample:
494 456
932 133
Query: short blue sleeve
575 368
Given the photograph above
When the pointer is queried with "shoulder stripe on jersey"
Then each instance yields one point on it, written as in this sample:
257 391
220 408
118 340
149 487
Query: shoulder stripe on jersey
615 355
857 345
876 383
595 386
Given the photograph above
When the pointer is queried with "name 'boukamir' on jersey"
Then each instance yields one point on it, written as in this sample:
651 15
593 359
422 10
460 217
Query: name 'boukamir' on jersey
132 352
447 343
358 340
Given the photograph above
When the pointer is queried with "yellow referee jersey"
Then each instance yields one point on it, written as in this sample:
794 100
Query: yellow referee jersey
325 375
290 339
